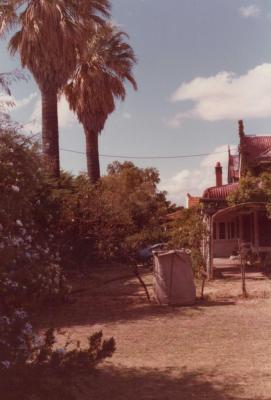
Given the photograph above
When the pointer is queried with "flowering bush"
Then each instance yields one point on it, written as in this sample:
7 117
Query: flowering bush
19 345
33 366
34 225
29 261
17 339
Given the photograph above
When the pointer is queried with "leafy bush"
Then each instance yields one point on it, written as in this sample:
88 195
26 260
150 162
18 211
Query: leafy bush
36 218
32 366
252 188
29 262
187 233
114 218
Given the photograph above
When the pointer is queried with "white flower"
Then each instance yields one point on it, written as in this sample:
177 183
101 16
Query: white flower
20 314
15 188
38 341
5 319
19 222
61 351
28 329
6 364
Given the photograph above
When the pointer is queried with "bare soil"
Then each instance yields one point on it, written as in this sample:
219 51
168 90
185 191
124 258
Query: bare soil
220 348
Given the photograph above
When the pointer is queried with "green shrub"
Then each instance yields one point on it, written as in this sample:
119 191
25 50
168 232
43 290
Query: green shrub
123 212
33 366
29 260
187 233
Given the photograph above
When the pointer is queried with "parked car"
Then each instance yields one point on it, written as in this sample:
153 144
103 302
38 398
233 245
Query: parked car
145 255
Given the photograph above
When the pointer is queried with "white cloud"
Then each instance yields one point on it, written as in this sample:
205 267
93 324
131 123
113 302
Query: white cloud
251 11
227 96
196 180
16 104
65 116
24 102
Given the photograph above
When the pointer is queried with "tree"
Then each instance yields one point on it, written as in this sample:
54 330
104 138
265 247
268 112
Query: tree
187 232
252 189
51 34
116 217
97 82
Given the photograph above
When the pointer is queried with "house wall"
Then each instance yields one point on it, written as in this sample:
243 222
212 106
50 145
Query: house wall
226 232
252 227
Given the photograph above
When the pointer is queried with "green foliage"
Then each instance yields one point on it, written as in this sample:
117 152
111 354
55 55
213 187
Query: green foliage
187 233
29 262
252 189
34 366
36 218
122 212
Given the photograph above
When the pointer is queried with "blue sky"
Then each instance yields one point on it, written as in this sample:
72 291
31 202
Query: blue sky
202 65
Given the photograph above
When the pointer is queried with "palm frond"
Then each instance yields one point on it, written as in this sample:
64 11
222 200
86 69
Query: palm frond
100 76
52 33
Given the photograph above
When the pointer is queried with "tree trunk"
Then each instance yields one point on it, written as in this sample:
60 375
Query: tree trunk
50 136
92 150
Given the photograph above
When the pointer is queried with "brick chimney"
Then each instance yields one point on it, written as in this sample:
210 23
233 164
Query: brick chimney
241 129
218 174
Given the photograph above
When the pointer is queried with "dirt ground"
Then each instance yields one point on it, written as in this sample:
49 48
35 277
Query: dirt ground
218 349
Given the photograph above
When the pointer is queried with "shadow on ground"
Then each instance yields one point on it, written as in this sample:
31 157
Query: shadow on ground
112 306
136 384
120 383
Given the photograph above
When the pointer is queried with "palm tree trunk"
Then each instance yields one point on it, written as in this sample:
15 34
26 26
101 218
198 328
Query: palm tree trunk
50 136
92 150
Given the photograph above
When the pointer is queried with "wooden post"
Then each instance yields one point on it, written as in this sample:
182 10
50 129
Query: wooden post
210 250
256 229
243 259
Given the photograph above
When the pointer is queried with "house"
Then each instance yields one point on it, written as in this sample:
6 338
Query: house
247 224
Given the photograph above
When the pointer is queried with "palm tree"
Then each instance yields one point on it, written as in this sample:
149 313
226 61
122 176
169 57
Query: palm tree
51 35
98 81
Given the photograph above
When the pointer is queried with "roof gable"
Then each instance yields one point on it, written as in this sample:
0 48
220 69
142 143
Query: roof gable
254 146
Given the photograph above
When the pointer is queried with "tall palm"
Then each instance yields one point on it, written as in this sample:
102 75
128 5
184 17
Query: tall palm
51 35
98 81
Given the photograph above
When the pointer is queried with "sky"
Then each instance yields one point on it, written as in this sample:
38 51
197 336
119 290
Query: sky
202 66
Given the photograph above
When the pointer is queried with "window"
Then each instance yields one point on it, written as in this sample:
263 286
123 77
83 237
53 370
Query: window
222 230
237 228
264 229
229 230
214 231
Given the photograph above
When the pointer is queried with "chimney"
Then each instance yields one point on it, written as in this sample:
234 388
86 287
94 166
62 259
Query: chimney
218 174
241 129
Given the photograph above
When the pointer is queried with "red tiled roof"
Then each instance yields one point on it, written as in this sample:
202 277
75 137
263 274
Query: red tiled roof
255 145
219 192
192 201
